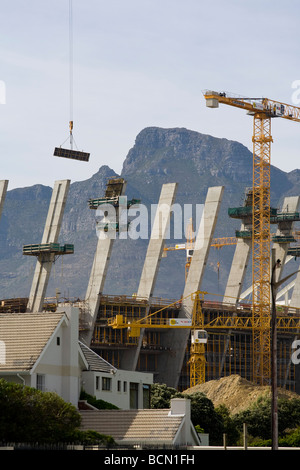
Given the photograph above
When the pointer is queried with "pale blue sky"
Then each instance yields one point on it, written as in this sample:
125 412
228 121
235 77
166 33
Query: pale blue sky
138 63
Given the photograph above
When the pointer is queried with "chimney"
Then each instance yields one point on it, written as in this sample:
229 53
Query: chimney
182 407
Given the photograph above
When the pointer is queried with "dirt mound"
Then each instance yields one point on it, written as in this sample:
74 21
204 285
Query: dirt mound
235 392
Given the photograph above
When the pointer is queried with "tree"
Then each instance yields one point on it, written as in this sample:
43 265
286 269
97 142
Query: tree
288 414
202 409
29 415
229 427
258 417
161 395
204 414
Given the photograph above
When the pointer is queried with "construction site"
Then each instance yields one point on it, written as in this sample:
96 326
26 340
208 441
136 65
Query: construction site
194 339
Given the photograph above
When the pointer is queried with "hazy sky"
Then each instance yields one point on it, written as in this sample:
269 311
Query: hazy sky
138 63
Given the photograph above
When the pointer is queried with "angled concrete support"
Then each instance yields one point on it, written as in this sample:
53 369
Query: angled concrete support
50 235
157 241
170 363
235 280
290 204
152 261
238 269
3 190
285 228
295 299
97 279
241 257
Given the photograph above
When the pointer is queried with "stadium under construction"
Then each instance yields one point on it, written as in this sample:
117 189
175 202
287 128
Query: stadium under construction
181 341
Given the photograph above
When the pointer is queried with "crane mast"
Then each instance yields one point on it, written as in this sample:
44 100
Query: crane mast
261 245
262 110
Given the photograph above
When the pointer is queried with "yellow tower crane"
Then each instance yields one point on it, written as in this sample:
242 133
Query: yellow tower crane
262 110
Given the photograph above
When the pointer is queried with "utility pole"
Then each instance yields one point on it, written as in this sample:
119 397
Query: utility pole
274 407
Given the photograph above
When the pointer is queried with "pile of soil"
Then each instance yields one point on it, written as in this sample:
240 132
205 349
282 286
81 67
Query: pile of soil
236 393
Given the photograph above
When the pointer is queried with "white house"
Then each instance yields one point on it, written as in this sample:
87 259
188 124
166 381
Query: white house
145 428
125 389
42 350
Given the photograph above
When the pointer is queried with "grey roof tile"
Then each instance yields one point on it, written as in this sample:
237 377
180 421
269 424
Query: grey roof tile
25 336
151 426
96 363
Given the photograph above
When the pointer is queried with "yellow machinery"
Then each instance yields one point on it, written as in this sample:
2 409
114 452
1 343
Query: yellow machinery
198 334
262 110
288 322
198 341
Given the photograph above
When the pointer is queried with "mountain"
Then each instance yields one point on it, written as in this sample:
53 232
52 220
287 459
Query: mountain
194 160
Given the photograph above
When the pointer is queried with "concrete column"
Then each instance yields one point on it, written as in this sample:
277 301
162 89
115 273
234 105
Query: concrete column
3 190
241 257
157 241
290 204
238 269
97 281
152 261
285 228
50 235
235 280
170 363
295 299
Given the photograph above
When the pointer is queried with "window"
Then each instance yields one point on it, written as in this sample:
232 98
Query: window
40 382
97 382
119 385
146 396
134 396
125 387
58 340
106 383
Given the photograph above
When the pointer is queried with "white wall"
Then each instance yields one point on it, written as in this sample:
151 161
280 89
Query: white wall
59 362
119 392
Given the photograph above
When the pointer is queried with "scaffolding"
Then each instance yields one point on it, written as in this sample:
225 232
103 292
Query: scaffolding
229 348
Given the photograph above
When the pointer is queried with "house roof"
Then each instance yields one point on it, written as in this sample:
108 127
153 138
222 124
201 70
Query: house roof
150 426
95 362
24 336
